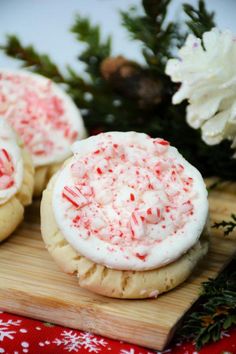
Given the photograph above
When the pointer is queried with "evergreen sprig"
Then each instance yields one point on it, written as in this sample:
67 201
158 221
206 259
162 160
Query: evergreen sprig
105 109
158 38
228 226
31 59
215 311
200 20
96 49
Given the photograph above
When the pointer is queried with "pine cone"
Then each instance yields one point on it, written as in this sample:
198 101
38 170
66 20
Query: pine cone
130 80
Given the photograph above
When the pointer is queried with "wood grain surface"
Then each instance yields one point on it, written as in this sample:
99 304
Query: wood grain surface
32 285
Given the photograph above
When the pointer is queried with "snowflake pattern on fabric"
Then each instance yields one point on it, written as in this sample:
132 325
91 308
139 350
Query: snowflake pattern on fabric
73 342
6 328
19 335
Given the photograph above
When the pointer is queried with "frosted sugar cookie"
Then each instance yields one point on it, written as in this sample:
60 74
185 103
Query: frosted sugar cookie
16 180
44 117
126 213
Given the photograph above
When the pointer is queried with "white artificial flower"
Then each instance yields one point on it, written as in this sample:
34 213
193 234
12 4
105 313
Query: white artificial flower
207 72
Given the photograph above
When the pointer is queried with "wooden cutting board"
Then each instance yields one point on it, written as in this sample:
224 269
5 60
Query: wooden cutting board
32 285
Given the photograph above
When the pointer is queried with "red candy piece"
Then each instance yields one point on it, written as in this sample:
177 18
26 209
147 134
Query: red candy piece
141 256
137 225
6 170
74 196
161 145
153 215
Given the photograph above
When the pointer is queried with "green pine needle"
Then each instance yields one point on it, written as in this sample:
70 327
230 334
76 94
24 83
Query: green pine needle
200 20
215 311
96 50
228 226
158 39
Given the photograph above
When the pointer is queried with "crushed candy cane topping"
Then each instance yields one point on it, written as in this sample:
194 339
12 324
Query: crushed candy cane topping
6 170
11 165
42 114
129 202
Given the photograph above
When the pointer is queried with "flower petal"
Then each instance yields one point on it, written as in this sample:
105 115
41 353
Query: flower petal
213 129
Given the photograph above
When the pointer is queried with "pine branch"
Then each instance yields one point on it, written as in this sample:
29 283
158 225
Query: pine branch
228 226
154 8
200 20
96 50
157 38
106 109
215 312
39 63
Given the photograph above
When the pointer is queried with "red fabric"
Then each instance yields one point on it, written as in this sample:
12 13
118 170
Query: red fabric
19 335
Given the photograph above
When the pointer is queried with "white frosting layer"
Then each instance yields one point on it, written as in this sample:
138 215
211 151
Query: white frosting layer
11 163
129 202
43 115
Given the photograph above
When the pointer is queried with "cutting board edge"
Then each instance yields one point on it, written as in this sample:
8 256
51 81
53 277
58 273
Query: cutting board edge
150 338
